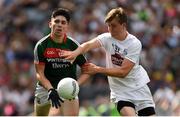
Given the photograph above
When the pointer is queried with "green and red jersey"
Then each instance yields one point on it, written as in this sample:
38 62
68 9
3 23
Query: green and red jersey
47 52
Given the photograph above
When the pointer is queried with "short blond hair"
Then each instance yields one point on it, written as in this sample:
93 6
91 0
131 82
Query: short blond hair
117 13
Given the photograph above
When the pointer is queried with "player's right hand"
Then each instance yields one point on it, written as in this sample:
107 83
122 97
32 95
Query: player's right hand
54 97
69 55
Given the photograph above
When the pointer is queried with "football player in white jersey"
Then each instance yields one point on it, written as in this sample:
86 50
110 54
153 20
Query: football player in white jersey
127 79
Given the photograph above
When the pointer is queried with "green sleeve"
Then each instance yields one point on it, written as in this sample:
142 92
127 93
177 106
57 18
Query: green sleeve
80 60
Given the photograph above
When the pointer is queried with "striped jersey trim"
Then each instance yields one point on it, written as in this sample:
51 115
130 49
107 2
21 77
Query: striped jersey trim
35 49
73 40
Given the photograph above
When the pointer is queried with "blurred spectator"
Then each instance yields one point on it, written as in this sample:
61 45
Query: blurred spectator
166 102
10 109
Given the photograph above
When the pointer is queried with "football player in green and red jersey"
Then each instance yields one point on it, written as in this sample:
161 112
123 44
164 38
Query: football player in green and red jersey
51 68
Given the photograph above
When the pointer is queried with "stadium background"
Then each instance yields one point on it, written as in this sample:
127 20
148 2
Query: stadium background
155 22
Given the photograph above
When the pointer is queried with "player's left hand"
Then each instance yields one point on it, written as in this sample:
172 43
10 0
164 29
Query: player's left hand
72 99
90 68
54 97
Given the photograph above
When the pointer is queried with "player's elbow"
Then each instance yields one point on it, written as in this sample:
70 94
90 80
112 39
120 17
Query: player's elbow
123 73
38 77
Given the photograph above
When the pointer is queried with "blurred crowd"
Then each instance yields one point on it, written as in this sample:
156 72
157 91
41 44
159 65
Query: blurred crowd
155 22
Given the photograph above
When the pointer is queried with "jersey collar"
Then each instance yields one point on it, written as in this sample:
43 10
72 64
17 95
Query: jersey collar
64 39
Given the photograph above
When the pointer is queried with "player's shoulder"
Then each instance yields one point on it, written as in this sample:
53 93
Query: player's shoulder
72 40
134 40
104 35
43 40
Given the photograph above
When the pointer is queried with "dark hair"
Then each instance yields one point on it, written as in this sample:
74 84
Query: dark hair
117 13
62 12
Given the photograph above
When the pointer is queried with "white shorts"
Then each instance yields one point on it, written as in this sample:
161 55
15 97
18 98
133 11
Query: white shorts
141 98
41 96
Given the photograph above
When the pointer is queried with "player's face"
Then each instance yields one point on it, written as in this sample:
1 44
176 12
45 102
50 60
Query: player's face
59 25
115 28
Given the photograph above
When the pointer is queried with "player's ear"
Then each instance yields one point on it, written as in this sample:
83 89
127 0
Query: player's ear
124 24
50 24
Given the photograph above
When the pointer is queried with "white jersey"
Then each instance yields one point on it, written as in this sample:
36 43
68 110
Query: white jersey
116 51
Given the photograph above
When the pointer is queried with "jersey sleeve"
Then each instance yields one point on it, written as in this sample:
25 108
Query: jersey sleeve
80 60
103 38
38 54
134 52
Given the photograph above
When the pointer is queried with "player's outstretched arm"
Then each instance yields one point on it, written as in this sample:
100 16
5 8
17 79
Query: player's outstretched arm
83 48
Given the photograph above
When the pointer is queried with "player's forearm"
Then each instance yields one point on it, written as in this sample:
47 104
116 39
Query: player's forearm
116 72
85 47
43 80
83 79
79 51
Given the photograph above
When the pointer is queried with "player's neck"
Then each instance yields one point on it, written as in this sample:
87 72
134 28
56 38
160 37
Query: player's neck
57 39
122 36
